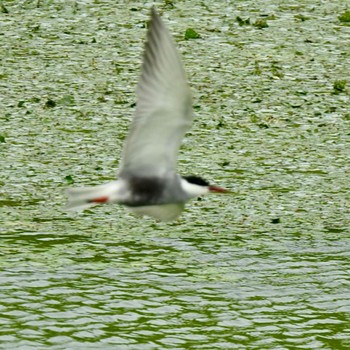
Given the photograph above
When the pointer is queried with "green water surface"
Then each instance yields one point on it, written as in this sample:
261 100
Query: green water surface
266 267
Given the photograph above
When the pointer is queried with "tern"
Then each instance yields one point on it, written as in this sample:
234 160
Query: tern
148 183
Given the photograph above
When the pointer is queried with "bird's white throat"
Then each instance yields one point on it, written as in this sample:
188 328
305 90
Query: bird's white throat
193 190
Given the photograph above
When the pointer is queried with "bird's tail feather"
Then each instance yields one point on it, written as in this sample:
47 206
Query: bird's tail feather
84 197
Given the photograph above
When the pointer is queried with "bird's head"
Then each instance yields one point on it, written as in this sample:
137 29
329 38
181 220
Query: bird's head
195 186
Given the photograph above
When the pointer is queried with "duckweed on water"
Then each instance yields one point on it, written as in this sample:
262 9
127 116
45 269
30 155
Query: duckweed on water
243 21
66 100
300 17
345 17
69 179
3 9
169 3
191 34
261 23
50 103
271 123
339 86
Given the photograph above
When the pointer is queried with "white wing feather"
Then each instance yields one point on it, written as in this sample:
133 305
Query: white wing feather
163 110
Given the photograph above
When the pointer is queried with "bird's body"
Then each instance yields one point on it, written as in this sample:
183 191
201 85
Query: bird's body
148 183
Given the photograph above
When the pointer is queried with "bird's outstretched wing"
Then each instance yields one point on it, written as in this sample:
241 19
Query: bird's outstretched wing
163 109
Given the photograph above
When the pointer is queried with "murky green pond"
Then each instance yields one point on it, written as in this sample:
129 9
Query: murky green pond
264 268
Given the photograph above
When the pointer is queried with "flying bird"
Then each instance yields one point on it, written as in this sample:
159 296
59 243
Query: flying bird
148 183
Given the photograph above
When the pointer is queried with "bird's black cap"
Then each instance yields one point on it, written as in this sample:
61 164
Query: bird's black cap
196 180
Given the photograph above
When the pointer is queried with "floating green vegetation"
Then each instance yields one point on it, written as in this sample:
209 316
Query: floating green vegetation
66 100
169 3
3 9
276 71
50 103
2 139
261 23
339 86
243 21
34 100
224 163
191 34
257 69
69 179
345 17
301 17
253 118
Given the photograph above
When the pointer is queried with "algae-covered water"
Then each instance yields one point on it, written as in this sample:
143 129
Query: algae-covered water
266 267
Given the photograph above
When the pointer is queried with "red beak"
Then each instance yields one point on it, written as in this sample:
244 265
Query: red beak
217 189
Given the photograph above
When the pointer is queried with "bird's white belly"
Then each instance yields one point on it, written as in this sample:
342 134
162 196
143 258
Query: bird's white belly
164 212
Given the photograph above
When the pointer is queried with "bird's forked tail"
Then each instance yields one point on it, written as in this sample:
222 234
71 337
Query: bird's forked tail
84 197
